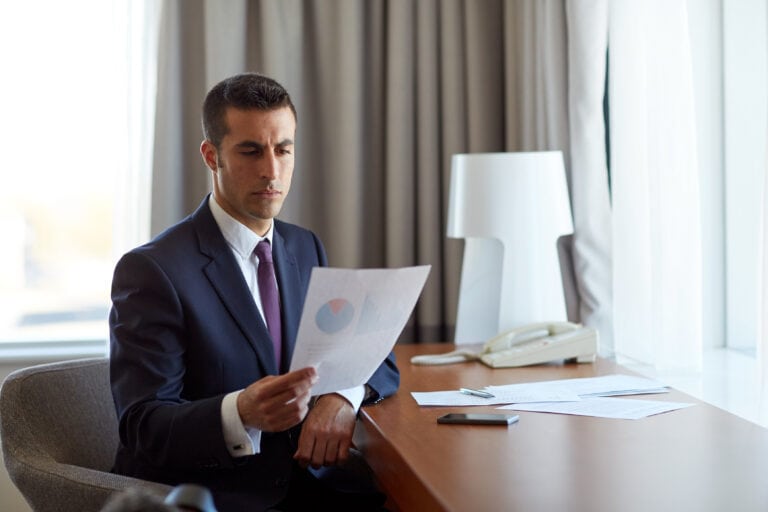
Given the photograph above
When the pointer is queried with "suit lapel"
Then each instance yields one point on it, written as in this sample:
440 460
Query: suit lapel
226 278
291 296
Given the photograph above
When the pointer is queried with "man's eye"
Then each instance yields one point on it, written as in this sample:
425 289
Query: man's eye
253 152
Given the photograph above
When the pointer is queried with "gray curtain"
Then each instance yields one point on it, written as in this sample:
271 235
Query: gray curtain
386 92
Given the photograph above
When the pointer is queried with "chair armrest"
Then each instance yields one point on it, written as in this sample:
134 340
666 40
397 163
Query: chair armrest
51 486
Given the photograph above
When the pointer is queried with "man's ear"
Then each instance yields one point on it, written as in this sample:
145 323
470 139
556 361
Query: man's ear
209 153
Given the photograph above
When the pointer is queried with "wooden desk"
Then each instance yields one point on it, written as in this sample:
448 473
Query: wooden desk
700 458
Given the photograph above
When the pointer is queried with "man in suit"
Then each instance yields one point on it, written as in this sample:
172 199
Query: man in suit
198 375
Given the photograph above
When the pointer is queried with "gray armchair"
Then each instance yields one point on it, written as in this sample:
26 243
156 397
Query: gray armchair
59 435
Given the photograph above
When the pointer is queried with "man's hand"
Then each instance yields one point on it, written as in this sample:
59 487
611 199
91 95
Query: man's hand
326 435
277 402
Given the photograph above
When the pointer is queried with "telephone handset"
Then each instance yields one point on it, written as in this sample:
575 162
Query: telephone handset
530 344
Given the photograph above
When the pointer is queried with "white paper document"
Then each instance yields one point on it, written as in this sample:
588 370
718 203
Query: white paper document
456 398
564 390
351 321
606 385
601 407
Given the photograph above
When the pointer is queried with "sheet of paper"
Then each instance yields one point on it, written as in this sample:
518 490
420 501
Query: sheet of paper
564 390
455 398
606 385
351 321
602 407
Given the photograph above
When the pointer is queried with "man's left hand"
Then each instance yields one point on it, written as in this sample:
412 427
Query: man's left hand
326 435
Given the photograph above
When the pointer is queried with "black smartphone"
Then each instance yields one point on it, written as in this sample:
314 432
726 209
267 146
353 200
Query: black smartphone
479 419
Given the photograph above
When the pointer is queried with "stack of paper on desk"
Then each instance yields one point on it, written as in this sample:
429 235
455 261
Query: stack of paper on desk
606 385
602 407
567 396
455 398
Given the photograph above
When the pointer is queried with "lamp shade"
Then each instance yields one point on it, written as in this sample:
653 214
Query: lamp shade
510 208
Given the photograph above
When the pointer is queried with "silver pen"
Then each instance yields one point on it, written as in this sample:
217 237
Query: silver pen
476 392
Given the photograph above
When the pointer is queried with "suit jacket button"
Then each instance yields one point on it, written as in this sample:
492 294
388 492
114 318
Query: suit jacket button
280 482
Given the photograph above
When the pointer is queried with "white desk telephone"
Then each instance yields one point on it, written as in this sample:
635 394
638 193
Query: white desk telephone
530 344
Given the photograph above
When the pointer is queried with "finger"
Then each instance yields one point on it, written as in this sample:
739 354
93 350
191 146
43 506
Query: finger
289 400
285 417
300 380
331 453
273 410
304 451
279 390
288 403
343 452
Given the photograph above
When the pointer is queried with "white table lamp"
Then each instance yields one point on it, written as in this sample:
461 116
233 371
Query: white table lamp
510 208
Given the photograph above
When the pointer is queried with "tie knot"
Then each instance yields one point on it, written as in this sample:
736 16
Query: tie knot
264 251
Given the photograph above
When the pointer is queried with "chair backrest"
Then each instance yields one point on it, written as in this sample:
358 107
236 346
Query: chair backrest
59 435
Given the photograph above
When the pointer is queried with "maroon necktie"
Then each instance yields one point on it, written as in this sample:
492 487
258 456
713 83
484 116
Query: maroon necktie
270 300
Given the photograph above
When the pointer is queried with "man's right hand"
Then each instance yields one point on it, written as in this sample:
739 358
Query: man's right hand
277 402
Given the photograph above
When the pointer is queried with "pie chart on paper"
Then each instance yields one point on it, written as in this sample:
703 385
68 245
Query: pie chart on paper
334 315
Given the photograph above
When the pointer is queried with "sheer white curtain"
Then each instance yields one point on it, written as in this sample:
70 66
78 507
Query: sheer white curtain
655 189
639 258
139 22
590 194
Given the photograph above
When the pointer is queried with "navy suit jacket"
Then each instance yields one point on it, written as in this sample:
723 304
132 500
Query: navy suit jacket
184 332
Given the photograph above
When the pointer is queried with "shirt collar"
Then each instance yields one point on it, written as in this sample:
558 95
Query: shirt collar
238 236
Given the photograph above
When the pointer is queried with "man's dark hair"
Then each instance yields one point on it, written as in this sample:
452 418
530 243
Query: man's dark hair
247 91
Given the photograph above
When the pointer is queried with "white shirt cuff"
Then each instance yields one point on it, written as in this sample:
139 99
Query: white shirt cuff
240 440
354 396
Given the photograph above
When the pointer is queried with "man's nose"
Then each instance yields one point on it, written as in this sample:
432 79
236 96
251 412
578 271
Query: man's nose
271 167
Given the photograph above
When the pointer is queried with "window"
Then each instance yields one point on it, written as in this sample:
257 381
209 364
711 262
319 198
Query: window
745 115
67 135
728 43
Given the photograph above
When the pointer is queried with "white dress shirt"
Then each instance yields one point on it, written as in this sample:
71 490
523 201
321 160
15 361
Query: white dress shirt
242 440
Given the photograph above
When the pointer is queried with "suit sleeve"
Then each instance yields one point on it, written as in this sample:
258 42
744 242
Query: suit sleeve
384 382
147 368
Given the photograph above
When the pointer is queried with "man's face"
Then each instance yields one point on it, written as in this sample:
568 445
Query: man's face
253 166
